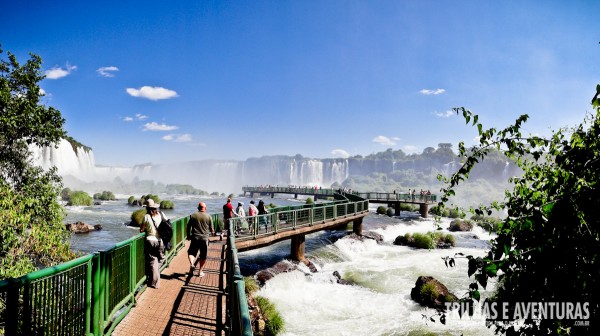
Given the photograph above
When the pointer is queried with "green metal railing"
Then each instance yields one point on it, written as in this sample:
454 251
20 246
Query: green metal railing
90 295
417 198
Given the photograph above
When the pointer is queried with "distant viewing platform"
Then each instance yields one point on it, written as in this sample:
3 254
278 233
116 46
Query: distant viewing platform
423 198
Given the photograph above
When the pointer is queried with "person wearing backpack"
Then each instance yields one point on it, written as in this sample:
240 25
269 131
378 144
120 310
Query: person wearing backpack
199 227
154 248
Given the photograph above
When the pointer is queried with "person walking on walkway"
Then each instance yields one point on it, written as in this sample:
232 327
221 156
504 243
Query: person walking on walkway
262 210
227 215
198 229
153 246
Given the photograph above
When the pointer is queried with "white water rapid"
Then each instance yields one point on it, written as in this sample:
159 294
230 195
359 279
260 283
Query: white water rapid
383 275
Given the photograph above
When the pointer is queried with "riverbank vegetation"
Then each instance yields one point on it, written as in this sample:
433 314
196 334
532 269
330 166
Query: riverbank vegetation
32 232
546 249
429 240
105 196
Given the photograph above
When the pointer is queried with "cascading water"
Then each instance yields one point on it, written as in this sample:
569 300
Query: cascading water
378 302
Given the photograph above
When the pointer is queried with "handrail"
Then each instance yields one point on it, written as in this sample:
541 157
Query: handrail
90 295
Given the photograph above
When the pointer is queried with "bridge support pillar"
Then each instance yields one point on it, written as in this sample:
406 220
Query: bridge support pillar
396 208
252 194
297 251
315 197
424 210
296 196
272 195
357 226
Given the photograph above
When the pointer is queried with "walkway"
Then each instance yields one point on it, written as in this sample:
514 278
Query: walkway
183 305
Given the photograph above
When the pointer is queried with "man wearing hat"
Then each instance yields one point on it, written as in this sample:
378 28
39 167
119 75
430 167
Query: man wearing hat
198 229
153 245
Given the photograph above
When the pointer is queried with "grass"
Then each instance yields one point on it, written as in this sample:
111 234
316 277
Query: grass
273 320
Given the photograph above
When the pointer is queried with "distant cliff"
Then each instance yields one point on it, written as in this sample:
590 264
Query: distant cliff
78 164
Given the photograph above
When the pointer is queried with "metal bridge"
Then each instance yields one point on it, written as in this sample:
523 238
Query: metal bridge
102 293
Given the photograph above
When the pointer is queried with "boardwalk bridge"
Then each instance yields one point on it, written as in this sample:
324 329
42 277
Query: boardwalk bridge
104 293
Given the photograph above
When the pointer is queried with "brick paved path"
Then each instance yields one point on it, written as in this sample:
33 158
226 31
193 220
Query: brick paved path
183 305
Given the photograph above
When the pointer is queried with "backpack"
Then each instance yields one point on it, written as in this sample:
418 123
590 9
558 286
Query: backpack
165 231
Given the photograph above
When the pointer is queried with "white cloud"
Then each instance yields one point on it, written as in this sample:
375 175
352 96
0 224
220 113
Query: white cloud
184 138
42 92
128 119
178 138
139 116
409 149
152 93
435 92
340 153
58 72
446 114
153 126
107 71
383 140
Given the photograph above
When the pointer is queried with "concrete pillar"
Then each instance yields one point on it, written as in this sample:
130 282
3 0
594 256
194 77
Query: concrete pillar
296 196
297 249
397 208
272 195
252 194
424 210
357 226
315 197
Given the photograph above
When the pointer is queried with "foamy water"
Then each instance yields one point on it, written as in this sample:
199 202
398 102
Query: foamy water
379 302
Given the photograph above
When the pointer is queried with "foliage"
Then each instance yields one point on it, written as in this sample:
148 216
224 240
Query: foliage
137 217
185 189
546 250
166 204
79 198
274 321
31 229
105 196
309 200
489 224
390 212
251 285
144 198
381 210
429 240
32 234
76 144
131 200
64 194
460 225
422 241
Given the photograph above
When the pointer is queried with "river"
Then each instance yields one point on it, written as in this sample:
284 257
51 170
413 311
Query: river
378 303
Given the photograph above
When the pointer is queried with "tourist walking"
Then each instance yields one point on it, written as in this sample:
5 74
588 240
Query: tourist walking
252 212
241 223
199 228
227 215
262 210
153 246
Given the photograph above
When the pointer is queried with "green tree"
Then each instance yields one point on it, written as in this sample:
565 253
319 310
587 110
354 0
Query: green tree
547 248
32 234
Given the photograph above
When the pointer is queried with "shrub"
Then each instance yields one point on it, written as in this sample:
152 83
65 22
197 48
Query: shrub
407 207
166 205
423 241
489 224
381 210
461 225
390 212
137 217
274 321
428 292
309 200
105 196
64 194
130 200
79 198
251 285
449 239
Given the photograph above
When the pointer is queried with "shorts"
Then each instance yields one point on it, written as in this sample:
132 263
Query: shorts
198 244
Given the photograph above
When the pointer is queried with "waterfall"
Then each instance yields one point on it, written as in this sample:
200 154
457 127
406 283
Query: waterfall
79 163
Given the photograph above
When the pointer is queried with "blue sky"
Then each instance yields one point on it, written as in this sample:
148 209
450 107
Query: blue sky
172 81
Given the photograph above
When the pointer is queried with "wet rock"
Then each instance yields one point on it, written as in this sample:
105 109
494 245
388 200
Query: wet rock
281 267
431 293
81 227
366 235
339 279
97 203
